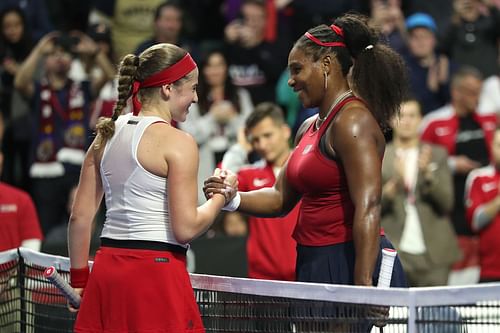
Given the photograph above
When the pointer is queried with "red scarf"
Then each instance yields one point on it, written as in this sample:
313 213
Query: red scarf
60 125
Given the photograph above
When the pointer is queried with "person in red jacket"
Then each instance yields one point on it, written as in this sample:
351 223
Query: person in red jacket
19 224
466 135
270 247
482 200
19 227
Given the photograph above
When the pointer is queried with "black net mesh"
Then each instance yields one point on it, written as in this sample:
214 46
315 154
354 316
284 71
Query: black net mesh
30 303
234 312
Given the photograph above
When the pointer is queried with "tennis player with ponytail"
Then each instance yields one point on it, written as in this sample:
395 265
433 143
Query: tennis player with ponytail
335 169
146 170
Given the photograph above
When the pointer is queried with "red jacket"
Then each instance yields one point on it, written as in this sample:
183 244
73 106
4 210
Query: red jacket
441 127
271 250
18 218
481 188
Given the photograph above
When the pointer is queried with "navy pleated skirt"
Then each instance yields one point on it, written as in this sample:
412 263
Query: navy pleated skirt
335 264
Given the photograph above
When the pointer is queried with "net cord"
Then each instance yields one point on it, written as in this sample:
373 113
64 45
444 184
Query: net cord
429 296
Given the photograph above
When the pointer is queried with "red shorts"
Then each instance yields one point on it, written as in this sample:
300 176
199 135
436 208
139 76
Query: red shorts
132 291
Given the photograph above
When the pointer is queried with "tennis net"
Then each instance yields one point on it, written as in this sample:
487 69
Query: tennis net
29 303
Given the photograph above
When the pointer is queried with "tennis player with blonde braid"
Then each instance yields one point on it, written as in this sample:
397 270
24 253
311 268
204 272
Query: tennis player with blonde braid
146 169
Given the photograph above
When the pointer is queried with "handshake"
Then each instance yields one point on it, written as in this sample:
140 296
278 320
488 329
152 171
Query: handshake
223 182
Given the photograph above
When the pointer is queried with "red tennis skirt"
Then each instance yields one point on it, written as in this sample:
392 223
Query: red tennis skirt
132 291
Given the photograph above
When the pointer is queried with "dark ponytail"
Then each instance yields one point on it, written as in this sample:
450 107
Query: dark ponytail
379 75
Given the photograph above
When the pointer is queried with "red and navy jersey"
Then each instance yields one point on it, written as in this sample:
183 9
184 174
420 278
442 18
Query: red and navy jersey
271 250
442 126
481 188
327 211
18 218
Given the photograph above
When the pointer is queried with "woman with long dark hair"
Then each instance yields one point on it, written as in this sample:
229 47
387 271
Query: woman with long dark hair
15 46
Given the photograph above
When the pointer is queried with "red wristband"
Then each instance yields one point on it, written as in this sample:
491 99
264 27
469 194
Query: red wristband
79 277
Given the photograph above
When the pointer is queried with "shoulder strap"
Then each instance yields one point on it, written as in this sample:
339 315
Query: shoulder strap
142 125
336 109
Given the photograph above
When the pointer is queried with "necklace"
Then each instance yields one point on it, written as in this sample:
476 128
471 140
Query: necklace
319 120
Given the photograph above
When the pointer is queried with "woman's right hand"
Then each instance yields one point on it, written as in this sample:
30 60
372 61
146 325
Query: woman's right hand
378 314
231 181
71 308
221 182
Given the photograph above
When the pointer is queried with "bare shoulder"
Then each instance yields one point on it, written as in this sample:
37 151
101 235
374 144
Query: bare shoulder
303 128
173 141
357 121
354 125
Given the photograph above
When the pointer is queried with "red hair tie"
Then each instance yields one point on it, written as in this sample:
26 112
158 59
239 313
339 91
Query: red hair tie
317 41
169 75
338 30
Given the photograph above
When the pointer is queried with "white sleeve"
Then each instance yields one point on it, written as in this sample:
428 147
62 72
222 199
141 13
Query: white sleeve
33 244
235 157
246 104
489 101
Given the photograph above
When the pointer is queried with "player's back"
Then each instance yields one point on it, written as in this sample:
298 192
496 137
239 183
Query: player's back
136 199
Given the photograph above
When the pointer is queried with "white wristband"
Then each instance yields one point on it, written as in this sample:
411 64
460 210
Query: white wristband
233 205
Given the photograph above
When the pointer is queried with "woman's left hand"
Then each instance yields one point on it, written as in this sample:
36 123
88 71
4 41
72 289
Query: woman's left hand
71 308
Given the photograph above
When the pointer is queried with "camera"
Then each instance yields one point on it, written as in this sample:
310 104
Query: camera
67 42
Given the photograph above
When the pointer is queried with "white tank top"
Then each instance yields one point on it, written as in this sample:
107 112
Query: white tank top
136 199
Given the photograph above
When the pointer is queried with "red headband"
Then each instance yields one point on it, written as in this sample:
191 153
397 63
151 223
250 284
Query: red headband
169 75
338 30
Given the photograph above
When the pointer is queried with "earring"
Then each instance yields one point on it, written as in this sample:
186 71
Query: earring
326 80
